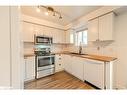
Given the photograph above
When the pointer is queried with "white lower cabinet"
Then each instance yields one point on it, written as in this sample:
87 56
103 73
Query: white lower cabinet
59 62
77 67
74 66
29 68
68 63
94 73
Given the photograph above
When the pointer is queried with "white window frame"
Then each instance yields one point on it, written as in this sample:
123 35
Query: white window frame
76 38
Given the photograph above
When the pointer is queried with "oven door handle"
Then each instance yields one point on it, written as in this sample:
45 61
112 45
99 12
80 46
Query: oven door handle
45 56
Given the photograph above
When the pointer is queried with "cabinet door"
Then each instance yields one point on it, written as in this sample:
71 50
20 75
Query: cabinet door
47 31
63 37
106 26
55 36
29 68
93 30
77 67
39 30
28 32
94 73
59 36
69 37
59 65
68 63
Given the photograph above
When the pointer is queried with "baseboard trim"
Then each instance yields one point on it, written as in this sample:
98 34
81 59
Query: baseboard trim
92 85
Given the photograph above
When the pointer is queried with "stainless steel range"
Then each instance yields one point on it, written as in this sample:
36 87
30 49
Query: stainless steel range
44 61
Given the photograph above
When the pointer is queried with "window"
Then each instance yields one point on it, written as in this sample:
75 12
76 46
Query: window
71 38
81 37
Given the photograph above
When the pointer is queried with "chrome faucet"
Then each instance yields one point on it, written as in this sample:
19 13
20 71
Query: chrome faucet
80 49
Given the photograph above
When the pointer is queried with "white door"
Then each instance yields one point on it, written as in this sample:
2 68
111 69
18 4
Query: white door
94 73
93 30
29 68
28 32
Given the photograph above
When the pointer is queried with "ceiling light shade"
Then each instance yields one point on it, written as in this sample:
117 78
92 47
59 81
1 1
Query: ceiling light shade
38 10
60 17
46 13
54 14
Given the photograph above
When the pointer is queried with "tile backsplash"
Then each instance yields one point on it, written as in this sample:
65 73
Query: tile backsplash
105 48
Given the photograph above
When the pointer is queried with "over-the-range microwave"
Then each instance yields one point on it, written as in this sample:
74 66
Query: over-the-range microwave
39 39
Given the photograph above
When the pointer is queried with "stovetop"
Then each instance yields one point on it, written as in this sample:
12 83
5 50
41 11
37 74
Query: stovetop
42 53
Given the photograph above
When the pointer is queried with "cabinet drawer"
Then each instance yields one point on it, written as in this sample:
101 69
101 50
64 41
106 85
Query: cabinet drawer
45 72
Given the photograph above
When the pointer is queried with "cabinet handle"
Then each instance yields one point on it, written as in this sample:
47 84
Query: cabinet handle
59 64
59 58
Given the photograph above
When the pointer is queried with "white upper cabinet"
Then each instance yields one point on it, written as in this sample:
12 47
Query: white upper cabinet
28 32
69 36
58 36
38 30
93 30
55 35
106 27
101 28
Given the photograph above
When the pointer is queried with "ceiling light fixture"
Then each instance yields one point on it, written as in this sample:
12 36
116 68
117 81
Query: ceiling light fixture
38 10
50 10
46 13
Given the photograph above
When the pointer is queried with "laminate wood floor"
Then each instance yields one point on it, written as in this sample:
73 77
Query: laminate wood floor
60 80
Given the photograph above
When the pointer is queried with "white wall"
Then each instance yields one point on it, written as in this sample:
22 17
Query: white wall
16 49
116 49
10 54
121 48
5 59
84 19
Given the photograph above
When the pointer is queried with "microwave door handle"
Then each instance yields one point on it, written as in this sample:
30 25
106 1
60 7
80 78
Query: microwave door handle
50 60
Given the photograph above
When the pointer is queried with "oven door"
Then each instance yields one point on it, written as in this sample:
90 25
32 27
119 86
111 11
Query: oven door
45 62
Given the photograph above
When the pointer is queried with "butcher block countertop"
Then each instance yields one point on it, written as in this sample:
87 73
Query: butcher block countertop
29 55
91 56
88 56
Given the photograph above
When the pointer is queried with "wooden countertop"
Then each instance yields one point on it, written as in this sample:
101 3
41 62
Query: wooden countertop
88 56
91 56
29 55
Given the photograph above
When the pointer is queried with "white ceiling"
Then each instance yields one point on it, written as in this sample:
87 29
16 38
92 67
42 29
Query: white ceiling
69 13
